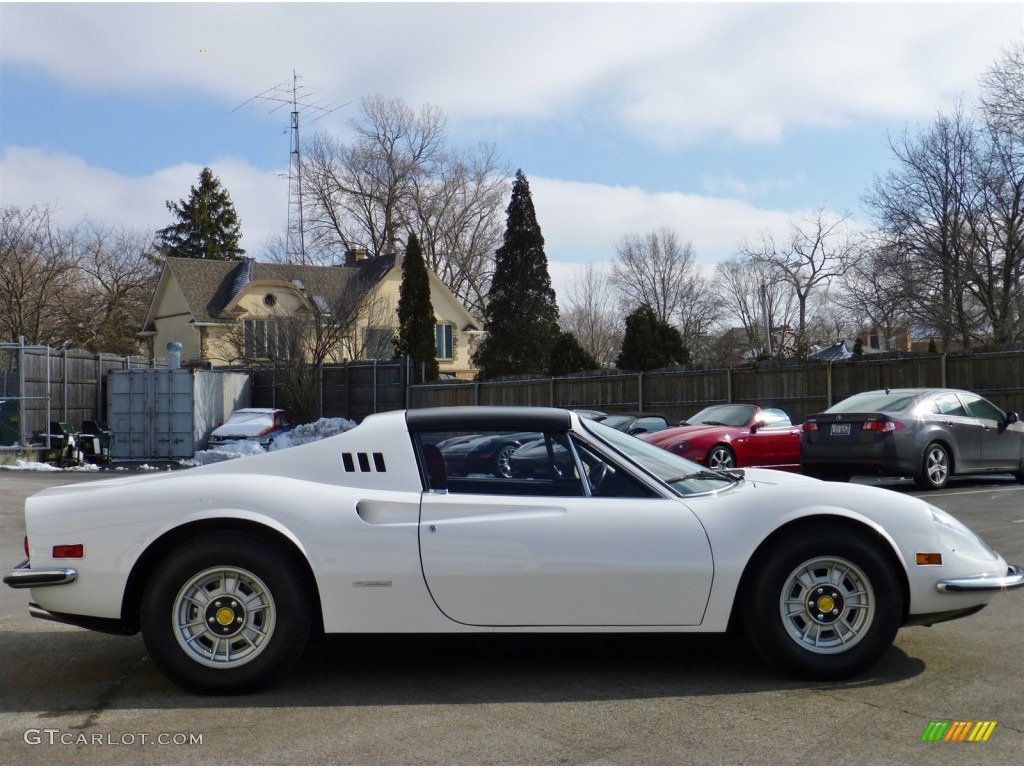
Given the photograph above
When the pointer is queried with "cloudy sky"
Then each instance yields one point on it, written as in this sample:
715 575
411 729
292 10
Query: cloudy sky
716 120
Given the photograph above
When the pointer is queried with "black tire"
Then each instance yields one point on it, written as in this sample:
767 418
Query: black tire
829 635
721 456
935 468
256 609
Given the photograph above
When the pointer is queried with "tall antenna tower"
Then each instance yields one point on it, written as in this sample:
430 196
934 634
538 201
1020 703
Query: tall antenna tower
298 98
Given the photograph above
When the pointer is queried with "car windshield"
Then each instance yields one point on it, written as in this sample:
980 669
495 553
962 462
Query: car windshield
249 417
870 402
682 475
723 415
617 421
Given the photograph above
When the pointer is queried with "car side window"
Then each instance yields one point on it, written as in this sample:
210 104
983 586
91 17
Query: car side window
948 404
775 417
983 409
498 463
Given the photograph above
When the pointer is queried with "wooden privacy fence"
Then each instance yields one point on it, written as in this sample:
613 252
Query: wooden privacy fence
799 388
39 385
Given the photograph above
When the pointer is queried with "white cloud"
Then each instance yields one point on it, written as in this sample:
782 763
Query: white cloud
671 72
581 222
77 191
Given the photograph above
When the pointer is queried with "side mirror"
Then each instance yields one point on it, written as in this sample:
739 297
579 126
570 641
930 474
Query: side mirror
637 430
1012 417
758 425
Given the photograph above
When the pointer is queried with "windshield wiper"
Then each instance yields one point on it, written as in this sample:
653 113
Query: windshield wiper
707 474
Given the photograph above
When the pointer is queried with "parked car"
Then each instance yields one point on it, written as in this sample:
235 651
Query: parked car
734 435
483 454
260 424
538 458
927 434
635 423
228 568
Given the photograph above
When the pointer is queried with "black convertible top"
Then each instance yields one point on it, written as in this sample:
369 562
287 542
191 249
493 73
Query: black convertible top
516 418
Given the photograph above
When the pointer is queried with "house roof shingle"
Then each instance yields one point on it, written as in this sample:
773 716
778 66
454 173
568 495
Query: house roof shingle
210 286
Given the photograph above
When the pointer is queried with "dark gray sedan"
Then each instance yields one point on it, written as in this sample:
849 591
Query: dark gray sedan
928 434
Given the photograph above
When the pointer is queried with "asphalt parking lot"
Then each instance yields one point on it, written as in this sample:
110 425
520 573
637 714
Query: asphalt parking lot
72 696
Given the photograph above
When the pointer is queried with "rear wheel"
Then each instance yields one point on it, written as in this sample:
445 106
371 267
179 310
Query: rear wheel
225 614
936 468
826 605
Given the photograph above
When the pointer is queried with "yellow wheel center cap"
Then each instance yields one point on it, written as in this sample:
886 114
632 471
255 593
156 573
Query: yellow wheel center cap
225 616
826 604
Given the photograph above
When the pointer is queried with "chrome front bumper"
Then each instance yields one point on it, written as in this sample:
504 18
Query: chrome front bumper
24 577
1013 579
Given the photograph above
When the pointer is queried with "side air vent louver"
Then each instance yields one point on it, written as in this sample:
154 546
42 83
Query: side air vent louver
349 461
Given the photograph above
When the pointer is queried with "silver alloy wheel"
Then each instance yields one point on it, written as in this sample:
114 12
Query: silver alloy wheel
827 605
720 458
503 460
224 617
936 466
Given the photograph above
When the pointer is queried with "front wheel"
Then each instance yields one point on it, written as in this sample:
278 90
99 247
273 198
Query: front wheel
503 461
225 614
721 457
826 605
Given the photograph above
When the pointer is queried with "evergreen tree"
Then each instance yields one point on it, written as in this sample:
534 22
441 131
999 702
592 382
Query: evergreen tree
569 356
522 315
207 225
416 324
650 343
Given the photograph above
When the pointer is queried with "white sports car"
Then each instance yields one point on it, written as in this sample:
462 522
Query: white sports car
227 568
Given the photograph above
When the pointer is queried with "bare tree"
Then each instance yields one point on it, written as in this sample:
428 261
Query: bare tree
457 215
590 314
119 270
817 251
925 205
1002 96
763 305
397 175
874 291
37 275
656 270
360 194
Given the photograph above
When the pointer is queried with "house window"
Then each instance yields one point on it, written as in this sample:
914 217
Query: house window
443 335
265 339
379 344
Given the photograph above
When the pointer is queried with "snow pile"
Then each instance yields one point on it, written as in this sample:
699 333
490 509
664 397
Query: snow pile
302 434
38 466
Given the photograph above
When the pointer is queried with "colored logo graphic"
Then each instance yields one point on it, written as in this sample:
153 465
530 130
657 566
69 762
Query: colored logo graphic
958 730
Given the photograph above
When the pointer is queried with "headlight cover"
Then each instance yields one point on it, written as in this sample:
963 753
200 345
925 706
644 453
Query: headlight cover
958 538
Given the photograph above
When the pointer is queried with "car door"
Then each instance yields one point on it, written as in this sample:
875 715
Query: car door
949 416
779 439
511 553
1001 443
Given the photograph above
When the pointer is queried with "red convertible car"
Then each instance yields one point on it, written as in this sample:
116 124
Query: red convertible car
734 435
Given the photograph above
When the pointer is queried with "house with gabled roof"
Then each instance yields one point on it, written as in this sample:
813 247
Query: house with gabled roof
227 312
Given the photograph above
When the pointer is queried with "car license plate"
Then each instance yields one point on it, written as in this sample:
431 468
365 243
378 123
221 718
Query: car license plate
840 429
